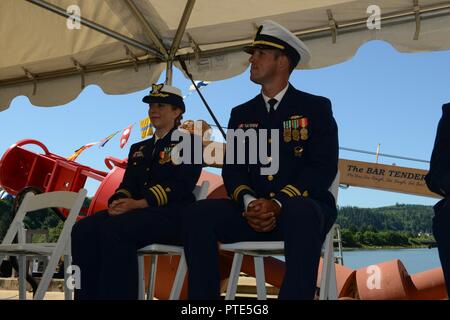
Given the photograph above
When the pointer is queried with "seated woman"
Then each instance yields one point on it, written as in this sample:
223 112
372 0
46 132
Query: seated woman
146 208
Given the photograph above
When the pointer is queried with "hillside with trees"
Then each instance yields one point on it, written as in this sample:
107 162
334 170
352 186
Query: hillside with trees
398 226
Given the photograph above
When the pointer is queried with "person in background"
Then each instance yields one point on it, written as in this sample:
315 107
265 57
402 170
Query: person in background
438 181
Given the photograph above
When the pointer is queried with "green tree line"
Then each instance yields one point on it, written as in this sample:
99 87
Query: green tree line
400 225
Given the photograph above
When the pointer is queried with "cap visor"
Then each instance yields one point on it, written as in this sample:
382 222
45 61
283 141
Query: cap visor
251 49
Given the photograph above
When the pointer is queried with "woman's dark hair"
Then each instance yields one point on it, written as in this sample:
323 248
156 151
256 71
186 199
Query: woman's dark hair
179 118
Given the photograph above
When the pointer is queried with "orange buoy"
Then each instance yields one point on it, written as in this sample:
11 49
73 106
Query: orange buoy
429 285
385 281
345 280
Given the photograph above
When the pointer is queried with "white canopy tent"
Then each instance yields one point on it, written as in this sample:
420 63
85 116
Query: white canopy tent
124 45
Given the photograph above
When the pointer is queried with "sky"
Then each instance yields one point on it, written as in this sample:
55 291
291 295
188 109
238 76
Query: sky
380 96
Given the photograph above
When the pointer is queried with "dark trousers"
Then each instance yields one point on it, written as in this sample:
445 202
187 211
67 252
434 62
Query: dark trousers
441 227
302 225
105 249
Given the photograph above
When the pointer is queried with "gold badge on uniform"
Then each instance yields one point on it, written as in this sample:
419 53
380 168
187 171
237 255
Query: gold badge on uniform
164 156
304 130
287 131
298 151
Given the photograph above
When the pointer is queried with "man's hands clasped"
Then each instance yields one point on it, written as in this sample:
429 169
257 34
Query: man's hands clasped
262 214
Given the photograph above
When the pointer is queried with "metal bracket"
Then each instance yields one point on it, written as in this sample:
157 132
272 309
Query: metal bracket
33 77
333 25
81 69
417 14
194 46
132 57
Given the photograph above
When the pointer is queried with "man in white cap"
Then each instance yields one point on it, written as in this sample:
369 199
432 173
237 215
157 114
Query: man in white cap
293 205
145 209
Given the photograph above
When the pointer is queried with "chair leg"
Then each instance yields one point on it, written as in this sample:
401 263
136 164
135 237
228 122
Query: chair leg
260 278
22 260
152 277
22 277
67 291
179 279
234 276
328 287
141 277
47 276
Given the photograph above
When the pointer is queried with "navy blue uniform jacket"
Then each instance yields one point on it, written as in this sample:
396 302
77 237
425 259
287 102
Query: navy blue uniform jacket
152 175
438 178
307 164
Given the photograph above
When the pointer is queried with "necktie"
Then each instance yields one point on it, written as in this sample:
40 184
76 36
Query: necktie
272 102
156 146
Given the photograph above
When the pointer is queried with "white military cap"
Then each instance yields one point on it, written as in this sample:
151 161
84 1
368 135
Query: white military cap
272 35
163 93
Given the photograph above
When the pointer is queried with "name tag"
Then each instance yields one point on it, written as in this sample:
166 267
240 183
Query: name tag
138 154
248 125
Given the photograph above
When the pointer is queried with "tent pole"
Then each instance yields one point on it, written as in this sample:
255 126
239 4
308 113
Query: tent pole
149 32
169 72
349 26
74 71
97 27
181 28
183 65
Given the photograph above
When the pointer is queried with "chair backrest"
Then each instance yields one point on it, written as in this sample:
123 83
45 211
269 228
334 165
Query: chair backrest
57 199
334 188
200 192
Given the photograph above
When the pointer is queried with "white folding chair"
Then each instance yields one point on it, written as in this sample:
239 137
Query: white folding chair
31 202
260 249
156 249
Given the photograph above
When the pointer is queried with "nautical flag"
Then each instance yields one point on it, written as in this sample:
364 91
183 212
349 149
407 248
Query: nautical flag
199 84
125 135
105 141
77 152
146 128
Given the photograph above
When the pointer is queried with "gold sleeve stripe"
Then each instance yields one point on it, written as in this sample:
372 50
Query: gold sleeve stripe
125 192
164 194
161 196
269 43
238 190
158 199
287 192
293 189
